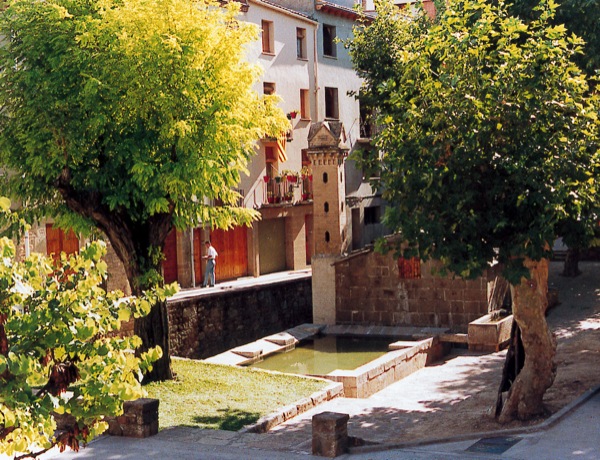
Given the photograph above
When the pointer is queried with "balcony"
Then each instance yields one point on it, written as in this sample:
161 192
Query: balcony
288 188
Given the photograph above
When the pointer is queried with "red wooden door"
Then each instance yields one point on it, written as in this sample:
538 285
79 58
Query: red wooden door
232 247
198 253
169 264
58 241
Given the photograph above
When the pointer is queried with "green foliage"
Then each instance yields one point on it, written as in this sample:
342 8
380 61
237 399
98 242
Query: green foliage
145 107
490 135
58 349
580 17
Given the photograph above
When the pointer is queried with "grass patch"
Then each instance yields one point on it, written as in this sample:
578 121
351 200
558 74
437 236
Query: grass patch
225 397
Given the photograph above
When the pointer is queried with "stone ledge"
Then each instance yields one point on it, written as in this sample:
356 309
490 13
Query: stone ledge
264 424
490 336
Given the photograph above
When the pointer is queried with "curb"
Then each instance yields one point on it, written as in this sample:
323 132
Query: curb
546 424
264 424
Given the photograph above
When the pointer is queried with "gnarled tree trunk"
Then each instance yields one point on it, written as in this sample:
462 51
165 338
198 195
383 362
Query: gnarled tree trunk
153 329
529 308
132 242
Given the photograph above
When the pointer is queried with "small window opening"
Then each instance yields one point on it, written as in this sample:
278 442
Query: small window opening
329 45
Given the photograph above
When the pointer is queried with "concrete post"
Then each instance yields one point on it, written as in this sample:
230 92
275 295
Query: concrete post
330 434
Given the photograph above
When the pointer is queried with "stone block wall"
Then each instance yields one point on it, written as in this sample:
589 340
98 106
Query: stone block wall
369 290
206 325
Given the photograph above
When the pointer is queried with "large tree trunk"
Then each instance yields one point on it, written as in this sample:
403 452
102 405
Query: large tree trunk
529 307
571 266
132 242
153 329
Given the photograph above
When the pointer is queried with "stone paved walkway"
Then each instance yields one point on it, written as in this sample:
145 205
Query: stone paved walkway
436 391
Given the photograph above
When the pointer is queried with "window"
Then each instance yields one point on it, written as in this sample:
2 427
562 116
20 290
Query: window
372 215
367 117
267 37
325 177
331 103
300 43
268 88
304 104
329 45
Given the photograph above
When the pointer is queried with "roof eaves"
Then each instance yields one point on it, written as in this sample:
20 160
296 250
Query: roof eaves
288 11
338 10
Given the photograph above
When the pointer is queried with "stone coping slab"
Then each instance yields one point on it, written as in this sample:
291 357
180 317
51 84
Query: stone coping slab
264 424
284 339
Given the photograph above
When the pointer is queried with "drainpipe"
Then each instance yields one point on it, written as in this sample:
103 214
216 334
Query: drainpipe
316 73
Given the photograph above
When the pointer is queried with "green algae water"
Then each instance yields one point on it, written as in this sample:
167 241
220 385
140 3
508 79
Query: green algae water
325 354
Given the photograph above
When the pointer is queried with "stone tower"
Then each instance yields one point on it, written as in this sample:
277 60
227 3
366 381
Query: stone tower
327 152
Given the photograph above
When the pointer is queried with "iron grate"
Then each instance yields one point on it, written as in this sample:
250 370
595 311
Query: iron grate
497 445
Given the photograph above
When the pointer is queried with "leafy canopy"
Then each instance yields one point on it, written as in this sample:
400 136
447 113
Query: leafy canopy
581 17
58 350
489 136
145 106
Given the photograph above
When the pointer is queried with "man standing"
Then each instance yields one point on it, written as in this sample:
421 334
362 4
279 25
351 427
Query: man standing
209 274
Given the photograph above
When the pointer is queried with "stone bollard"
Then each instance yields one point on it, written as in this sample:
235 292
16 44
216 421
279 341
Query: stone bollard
139 419
330 434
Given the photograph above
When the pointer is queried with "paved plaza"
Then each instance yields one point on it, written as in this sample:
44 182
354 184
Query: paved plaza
573 432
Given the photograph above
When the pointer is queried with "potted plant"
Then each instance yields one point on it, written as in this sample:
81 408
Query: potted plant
293 114
290 176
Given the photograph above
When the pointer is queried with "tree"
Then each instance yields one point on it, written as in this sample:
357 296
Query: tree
581 17
130 116
489 139
58 350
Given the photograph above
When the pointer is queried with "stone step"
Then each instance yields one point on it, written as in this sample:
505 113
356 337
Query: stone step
283 339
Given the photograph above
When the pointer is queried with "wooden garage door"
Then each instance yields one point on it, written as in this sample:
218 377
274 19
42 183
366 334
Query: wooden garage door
232 247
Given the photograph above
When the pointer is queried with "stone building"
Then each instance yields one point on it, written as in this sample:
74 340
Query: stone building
305 63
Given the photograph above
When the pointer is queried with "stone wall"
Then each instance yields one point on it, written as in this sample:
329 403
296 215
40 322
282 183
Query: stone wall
370 291
206 325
